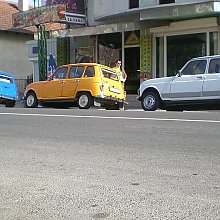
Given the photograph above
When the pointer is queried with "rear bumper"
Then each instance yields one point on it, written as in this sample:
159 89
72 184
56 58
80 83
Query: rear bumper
102 99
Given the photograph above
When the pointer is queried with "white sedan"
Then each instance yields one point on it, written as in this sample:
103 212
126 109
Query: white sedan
198 82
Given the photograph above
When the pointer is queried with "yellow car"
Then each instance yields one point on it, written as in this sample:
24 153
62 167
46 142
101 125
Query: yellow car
82 83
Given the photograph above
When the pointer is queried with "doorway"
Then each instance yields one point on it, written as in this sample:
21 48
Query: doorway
132 68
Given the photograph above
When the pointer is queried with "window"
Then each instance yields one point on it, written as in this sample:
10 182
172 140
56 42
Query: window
195 67
166 1
90 72
109 74
214 66
60 73
76 71
6 79
133 4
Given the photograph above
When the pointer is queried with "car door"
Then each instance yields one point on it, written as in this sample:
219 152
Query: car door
71 82
52 88
8 87
211 86
189 83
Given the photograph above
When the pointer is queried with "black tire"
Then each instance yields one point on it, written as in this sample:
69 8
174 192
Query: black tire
85 100
150 101
10 104
31 100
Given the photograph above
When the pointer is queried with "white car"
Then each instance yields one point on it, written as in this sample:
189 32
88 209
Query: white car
198 82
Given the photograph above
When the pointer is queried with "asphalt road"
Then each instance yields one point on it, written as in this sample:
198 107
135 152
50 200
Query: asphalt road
119 165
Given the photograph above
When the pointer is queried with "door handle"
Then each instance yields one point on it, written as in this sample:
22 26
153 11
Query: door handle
77 80
199 77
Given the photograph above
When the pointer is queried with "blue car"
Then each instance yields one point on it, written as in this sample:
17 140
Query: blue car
8 89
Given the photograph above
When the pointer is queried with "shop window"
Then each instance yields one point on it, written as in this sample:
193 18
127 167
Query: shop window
110 46
159 57
182 48
133 4
213 37
166 2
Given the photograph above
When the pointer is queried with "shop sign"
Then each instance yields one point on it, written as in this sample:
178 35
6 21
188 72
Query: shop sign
132 39
38 16
75 18
75 10
72 6
146 56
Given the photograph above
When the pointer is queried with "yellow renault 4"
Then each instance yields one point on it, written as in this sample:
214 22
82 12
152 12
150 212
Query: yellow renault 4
81 83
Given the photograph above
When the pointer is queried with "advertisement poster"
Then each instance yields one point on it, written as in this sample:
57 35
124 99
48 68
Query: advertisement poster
84 55
146 56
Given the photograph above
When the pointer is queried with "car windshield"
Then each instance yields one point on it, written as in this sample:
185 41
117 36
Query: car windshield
6 79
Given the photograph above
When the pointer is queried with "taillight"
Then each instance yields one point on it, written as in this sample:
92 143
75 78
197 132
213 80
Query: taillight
101 87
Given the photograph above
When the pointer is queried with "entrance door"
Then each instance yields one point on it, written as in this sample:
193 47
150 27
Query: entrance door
132 68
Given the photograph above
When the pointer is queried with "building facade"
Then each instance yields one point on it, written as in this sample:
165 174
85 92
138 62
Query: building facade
152 38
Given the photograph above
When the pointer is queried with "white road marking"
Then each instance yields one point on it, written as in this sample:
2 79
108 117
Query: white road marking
113 117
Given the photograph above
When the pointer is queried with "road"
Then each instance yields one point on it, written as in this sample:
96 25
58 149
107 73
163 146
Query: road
118 165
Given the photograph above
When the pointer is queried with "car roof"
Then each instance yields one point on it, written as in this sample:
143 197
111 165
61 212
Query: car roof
206 57
6 74
87 64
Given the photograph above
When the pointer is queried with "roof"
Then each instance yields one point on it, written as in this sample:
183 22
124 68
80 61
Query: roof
8 9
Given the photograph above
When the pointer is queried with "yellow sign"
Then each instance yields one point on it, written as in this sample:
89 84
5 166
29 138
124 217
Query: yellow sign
146 56
132 39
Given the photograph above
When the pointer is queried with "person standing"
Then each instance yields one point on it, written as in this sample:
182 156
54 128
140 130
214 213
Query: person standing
120 71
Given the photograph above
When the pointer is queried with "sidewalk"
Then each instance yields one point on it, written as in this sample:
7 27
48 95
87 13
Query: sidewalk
133 103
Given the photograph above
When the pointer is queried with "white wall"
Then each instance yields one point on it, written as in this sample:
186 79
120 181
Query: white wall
14 55
109 7
151 3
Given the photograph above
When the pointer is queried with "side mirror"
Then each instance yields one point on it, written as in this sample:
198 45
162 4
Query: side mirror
178 73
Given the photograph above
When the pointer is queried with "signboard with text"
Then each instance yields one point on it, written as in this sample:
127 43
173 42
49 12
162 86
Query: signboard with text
75 10
146 56
38 16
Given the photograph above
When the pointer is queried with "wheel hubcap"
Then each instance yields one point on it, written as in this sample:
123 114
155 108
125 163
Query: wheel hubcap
149 102
83 101
30 100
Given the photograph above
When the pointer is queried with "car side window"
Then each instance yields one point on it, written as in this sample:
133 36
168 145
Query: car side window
76 71
60 73
6 79
109 74
195 67
90 72
214 65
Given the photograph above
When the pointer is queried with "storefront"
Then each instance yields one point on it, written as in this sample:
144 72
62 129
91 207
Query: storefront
106 48
180 41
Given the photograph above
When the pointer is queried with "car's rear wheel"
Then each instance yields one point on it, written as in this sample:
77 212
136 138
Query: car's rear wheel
31 100
150 101
85 100
10 104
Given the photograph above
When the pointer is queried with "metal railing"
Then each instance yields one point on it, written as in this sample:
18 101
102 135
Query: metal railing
21 85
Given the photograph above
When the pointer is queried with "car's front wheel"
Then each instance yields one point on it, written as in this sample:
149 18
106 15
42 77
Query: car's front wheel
150 101
85 100
31 100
